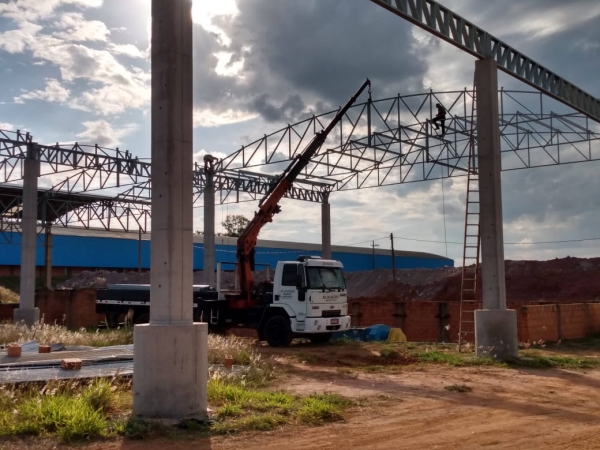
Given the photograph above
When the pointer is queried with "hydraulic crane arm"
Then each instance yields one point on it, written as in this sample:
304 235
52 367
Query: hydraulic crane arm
269 205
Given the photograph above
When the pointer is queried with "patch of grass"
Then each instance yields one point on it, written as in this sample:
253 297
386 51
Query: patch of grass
69 410
320 408
266 410
242 350
345 341
135 428
539 361
389 352
462 388
306 357
454 359
229 410
589 343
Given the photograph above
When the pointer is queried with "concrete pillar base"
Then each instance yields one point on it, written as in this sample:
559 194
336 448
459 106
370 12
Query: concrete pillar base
170 371
496 333
30 316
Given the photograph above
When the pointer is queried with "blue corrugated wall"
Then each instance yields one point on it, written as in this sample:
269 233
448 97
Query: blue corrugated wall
109 253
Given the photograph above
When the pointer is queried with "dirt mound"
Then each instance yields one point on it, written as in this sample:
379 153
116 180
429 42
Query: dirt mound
558 280
101 278
411 284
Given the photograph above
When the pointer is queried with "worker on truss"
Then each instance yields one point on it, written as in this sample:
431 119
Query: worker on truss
440 117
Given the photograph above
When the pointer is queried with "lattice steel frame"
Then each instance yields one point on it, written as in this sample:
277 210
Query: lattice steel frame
446 25
378 143
390 141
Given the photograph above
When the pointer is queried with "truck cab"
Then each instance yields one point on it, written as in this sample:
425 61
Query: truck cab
310 296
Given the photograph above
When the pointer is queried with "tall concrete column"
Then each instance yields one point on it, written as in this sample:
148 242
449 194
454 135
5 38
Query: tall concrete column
27 312
209 230
326 227
48 257
170 361
495 326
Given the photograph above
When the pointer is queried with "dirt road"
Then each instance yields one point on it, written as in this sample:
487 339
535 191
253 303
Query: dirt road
506 409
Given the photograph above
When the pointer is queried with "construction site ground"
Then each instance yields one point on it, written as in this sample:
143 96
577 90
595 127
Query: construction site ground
404 402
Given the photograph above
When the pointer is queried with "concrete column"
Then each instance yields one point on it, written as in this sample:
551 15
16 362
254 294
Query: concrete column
495 327
170 361
326 228
48 257
209 230
27 312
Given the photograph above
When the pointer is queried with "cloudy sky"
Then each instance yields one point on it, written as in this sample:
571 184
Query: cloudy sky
79 70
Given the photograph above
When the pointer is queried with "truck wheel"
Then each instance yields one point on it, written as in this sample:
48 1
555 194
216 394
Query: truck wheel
278 331
321 338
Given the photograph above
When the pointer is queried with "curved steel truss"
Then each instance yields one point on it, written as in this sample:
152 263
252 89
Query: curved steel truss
378 143
391 141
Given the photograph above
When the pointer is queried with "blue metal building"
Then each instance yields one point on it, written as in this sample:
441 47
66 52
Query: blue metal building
75 248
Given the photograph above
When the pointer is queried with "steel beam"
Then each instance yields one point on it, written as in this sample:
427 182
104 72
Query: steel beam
445 24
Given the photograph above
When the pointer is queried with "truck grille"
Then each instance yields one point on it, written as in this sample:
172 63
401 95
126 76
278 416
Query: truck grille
332 313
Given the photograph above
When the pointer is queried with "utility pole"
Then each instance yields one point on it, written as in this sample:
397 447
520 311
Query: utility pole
374 245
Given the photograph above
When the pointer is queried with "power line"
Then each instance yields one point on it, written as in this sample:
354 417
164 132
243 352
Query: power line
506 243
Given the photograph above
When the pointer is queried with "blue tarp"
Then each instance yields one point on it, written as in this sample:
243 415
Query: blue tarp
366 334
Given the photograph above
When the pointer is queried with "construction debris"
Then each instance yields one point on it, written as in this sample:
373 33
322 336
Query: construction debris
70 364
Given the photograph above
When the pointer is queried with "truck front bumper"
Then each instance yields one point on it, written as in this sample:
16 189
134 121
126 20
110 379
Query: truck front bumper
321 324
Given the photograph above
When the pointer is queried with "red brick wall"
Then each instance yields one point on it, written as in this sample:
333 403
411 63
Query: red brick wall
594 317
74 309
6 311
421 321
572 321
538 322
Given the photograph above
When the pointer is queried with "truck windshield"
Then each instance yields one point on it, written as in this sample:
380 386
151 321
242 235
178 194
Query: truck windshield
325 278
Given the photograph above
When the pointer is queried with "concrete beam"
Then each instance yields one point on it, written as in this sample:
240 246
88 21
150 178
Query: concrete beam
27 312
490 191
326 228
490 199
209 230
170 362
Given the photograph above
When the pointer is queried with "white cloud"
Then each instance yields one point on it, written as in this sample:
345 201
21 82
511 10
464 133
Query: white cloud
16 41
53 92
209 118
127 50
31 10
6 126
77 29
204 13
104 134
111 87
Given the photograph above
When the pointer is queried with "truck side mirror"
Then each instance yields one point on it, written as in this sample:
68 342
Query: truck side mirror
299 281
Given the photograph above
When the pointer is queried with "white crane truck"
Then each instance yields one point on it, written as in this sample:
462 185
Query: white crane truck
306 298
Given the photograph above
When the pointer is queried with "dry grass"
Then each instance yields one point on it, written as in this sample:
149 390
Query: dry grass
8 296
51 334
241 350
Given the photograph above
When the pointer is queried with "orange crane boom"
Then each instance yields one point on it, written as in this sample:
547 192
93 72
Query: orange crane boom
269 205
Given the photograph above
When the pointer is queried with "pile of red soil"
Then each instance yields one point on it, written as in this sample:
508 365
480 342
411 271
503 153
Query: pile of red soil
558 280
